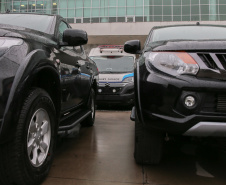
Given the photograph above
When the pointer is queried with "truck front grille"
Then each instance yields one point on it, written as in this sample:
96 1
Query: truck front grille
221 103
208 60
0 123
214 103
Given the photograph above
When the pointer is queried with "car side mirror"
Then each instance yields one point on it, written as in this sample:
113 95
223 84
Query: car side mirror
74 37
133 47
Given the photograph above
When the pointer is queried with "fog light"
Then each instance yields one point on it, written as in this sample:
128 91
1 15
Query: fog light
114 90
189 101
99 90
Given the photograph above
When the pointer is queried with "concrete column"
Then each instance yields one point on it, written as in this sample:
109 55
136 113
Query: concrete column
213 10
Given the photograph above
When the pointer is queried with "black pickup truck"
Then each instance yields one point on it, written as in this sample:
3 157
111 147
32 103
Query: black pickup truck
179 86
47 86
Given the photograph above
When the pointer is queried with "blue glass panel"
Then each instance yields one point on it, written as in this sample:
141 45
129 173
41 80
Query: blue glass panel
194 9
62 4
148 10
79 3
176 2
205 9
204 2
185 2
63 12
157 2
130 11
121 11
139 10
86 12
112 2
176 10
95 12
71 13
121 2
167 10
157 10
185 18
71 3
95 3
166 2
194 2
130 3
186 10
112 11
87 3
138 2
79 12
195 18
148 2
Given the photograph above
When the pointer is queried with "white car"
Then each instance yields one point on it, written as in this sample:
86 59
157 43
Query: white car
116 84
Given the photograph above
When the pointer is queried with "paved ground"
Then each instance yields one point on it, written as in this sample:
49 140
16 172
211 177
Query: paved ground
103 155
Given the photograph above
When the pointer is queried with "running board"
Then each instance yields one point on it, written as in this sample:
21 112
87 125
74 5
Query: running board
71 126
132 115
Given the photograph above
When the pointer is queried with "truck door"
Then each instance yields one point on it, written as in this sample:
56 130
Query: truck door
86 72
70 75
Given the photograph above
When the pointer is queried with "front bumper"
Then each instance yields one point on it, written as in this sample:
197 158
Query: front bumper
123 95
163 108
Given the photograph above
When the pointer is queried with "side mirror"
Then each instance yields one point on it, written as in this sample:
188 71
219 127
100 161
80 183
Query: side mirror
133 47
75 37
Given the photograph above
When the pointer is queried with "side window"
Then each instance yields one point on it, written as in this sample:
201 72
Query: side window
63 26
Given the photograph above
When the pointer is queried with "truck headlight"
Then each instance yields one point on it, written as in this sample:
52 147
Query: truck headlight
128 80
173 63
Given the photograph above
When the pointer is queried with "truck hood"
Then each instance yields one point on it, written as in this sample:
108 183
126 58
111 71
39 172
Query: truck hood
114 78
181 45
26 34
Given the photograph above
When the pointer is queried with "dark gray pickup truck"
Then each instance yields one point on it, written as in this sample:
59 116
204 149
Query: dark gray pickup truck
47 86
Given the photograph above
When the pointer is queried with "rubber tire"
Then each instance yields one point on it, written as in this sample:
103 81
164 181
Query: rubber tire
15 166
148 144
89 121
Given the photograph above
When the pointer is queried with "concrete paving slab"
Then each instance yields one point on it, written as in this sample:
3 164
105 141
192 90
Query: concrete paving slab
53 181
102 153
187 165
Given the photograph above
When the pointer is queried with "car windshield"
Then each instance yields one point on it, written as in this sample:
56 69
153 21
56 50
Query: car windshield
114 64
35 22
189 33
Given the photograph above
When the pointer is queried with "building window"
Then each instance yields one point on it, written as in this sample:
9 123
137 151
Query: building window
130 19
123 10
78 20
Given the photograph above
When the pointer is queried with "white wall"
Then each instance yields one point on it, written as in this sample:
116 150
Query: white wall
138 28
119 33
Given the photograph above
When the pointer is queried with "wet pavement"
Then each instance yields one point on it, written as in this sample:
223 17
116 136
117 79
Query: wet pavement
103 155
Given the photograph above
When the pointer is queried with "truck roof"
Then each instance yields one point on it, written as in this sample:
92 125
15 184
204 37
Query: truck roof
109 50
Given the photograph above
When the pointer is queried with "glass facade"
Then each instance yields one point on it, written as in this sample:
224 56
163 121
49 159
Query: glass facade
97 11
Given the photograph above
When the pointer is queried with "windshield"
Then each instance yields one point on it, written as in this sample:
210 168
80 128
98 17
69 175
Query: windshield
114 64
35 22
189 33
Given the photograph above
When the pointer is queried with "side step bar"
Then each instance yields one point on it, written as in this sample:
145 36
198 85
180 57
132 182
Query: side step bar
132 115
71 126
